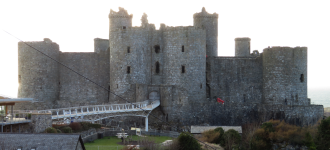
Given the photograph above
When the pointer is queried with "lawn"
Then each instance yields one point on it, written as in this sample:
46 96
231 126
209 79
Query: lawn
110 142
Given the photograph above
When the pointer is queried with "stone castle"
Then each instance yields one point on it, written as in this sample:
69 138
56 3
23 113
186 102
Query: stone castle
177 65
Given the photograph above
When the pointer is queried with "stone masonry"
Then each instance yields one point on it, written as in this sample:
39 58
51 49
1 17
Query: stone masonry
178 65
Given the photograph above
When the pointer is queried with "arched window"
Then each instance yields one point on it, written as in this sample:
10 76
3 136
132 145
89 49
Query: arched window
183 69
157 48
157 67
182 48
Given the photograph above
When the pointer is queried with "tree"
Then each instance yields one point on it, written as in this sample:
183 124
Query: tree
309 141
220 140
232 139
187 142
323 135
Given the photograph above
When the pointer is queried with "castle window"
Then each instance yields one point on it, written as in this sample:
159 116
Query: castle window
183 69
157 48
182 48
124 27
128 69
128 49
302 78
117 86
157 67
201 86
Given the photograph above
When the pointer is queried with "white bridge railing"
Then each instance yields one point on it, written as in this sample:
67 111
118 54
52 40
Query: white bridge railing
102 109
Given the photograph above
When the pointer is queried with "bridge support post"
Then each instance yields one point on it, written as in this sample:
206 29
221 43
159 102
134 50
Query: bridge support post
146 123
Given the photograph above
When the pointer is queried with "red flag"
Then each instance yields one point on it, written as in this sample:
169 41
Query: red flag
206 55
220 100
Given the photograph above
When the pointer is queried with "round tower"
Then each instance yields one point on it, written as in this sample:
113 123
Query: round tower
38 76
209 22
242 47
120 19
285 75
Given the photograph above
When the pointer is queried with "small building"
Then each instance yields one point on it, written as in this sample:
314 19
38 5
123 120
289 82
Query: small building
201 129
42 141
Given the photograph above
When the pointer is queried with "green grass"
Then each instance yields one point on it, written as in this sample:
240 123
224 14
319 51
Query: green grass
105 143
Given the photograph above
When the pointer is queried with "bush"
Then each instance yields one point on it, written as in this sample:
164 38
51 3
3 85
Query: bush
232 139
67 130
96 126
50 130
323 135
76 126
220 140
187 142
85 125
309 142
210 136
58 131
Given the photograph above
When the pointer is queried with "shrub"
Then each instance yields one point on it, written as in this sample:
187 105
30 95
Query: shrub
50 130
67 130
323 135
96 126
76 126
186 141
210 136
58 131
232 139
309 142
220 140
85 125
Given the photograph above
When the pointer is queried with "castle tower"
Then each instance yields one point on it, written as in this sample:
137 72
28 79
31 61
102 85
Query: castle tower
242 47
209 22
119 19
129 56
38 76
285 75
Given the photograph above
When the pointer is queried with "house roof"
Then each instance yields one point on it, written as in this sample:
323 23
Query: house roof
42 141
200 129
12 101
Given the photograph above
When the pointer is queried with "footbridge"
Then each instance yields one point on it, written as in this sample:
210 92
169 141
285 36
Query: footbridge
94 113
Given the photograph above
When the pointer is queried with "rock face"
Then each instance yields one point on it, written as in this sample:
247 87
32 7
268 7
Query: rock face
179 66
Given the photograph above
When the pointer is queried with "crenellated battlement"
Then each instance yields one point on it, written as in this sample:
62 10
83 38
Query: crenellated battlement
278 48
205 14
46 40
122 13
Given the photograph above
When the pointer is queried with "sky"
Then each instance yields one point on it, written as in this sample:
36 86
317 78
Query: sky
74 25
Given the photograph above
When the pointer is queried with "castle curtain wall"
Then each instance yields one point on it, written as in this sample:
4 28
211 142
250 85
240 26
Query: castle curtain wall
76 90
236 79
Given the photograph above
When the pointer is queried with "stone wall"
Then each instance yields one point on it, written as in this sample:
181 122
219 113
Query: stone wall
76 90
101 45
235 79
40 122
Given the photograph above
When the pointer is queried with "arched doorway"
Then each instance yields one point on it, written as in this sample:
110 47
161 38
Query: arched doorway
154 95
